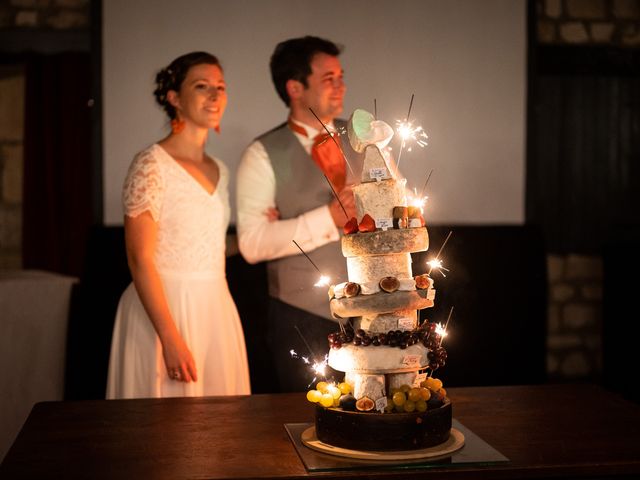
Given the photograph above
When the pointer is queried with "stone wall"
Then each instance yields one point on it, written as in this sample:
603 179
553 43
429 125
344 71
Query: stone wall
44 14
11 146
574 350
575 315
18 20
589 22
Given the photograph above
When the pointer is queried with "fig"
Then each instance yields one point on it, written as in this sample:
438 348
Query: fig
423 281
389 284
365 404
348 402
351 289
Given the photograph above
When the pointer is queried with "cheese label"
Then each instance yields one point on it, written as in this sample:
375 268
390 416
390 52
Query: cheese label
384 223
415 223
421 377
411 360
381 403
406 323
378 173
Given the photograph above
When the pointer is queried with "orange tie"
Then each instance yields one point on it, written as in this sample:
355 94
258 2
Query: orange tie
327 155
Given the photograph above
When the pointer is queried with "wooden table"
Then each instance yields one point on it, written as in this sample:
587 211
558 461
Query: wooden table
560 431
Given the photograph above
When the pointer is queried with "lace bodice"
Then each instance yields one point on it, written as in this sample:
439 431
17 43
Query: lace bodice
192 224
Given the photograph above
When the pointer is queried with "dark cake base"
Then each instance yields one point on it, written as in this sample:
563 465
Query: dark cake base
383 431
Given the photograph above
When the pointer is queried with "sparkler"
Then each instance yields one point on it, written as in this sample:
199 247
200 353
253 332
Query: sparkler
425 183
437 263
343 156
334 141
417 201
443 331
408 131
324 280
318 368
337 197
305 342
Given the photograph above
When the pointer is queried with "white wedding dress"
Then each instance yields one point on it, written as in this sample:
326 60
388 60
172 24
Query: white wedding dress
190 258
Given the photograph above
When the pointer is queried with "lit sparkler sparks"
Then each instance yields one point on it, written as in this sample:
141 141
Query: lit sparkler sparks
443 331
440 330
436 262
324 281
415 200
409 133
319 369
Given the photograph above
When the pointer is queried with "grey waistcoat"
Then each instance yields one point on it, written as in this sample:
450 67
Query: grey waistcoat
300 187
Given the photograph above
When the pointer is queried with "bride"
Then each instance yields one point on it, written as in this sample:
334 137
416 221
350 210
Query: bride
177 330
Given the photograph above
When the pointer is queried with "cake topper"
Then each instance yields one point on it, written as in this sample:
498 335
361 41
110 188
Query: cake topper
370 136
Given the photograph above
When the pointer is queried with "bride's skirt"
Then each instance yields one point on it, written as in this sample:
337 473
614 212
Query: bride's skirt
207 319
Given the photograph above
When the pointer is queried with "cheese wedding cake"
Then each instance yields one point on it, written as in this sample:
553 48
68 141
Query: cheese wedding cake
389 399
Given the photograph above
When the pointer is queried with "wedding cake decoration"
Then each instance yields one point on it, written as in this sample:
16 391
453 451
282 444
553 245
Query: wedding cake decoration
389 399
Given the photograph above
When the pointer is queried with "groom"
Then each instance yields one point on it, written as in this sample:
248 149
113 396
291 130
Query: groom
284 194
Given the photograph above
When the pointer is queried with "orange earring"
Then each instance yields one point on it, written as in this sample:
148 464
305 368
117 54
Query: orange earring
177 125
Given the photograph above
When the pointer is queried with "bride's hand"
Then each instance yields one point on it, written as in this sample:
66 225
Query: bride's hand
179 361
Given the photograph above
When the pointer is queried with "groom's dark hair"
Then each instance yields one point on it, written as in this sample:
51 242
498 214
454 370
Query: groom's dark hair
291 60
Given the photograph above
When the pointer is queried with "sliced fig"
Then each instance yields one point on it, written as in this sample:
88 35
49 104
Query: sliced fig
351 289
423 281
389 284
365 404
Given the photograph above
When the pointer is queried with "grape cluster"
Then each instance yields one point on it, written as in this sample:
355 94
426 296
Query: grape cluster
437 354
426 334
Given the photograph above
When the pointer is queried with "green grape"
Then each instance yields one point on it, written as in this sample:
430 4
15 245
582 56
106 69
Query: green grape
345 388
314 396
326 400
399 398
425 394
409 406
436 385
389 406
414 394
334 391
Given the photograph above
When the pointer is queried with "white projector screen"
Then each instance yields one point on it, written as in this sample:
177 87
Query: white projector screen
463 60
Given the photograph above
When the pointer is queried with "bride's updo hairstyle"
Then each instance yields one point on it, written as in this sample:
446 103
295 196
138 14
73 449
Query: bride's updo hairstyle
171 77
